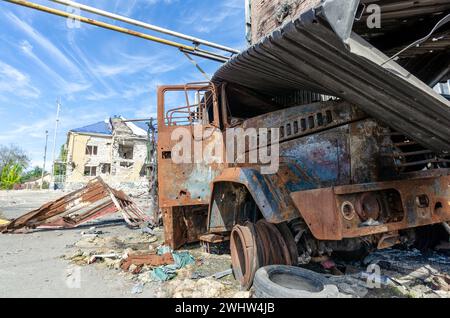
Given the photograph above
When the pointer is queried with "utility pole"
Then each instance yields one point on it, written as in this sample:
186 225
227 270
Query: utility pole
58 109
45 159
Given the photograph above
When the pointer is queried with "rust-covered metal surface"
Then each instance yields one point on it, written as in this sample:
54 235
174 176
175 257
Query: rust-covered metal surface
94 201
321 145
257 245
306 54
375 208
182 184
184 188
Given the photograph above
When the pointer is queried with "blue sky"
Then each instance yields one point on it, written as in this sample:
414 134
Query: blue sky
97 73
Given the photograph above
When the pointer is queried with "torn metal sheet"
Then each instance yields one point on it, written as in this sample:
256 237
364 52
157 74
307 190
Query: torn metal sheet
306 54
92 202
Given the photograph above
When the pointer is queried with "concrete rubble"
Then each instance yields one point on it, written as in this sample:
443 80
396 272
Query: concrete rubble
404 273
135 257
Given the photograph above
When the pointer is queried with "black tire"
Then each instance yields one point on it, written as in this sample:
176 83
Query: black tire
281 281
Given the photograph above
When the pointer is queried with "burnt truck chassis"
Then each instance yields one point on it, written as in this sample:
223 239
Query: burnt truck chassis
345 183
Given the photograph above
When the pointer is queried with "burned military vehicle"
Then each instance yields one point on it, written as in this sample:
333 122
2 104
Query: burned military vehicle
364 141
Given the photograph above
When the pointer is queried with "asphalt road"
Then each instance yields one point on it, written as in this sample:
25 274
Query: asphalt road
31 264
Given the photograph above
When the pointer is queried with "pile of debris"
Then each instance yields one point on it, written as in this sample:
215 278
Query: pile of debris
92 202
396 273
201 288
143 258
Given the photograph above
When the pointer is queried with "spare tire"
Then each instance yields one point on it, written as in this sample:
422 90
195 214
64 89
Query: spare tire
281 281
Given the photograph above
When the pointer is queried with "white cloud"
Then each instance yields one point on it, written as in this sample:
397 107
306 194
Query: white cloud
203 21
131 64
15 82
88 67
64 86
42 41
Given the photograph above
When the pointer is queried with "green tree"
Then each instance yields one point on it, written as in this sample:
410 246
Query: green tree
60 166
10 176
13 154
34 174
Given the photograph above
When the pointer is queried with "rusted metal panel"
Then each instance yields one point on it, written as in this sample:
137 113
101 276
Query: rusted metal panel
184 225
181 184
92 202
335 213
318 149
318 209
184 189
269 192
141 260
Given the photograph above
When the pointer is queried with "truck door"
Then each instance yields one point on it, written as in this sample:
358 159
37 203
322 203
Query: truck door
184 188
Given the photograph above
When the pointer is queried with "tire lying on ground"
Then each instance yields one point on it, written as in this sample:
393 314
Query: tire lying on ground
281 281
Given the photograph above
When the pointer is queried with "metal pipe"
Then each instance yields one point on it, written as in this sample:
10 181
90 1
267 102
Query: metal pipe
222 59
137 120
145 25
182 47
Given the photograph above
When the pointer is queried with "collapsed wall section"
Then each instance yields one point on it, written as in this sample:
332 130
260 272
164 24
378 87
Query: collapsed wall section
267 15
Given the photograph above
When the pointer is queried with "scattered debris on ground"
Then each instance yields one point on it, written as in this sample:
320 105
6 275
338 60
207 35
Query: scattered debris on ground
143 258
396 273
140 257
201 288
92 202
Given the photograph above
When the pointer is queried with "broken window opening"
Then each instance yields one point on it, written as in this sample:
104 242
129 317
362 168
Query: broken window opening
106 168
90 171
126 164
126 152
91 150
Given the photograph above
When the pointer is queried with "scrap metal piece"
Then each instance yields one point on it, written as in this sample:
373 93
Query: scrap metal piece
92 202
147 260
341 15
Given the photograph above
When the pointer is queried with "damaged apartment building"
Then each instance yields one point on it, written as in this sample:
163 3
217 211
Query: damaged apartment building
117 150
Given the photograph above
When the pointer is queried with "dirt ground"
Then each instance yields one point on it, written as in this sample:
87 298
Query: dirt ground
57 264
